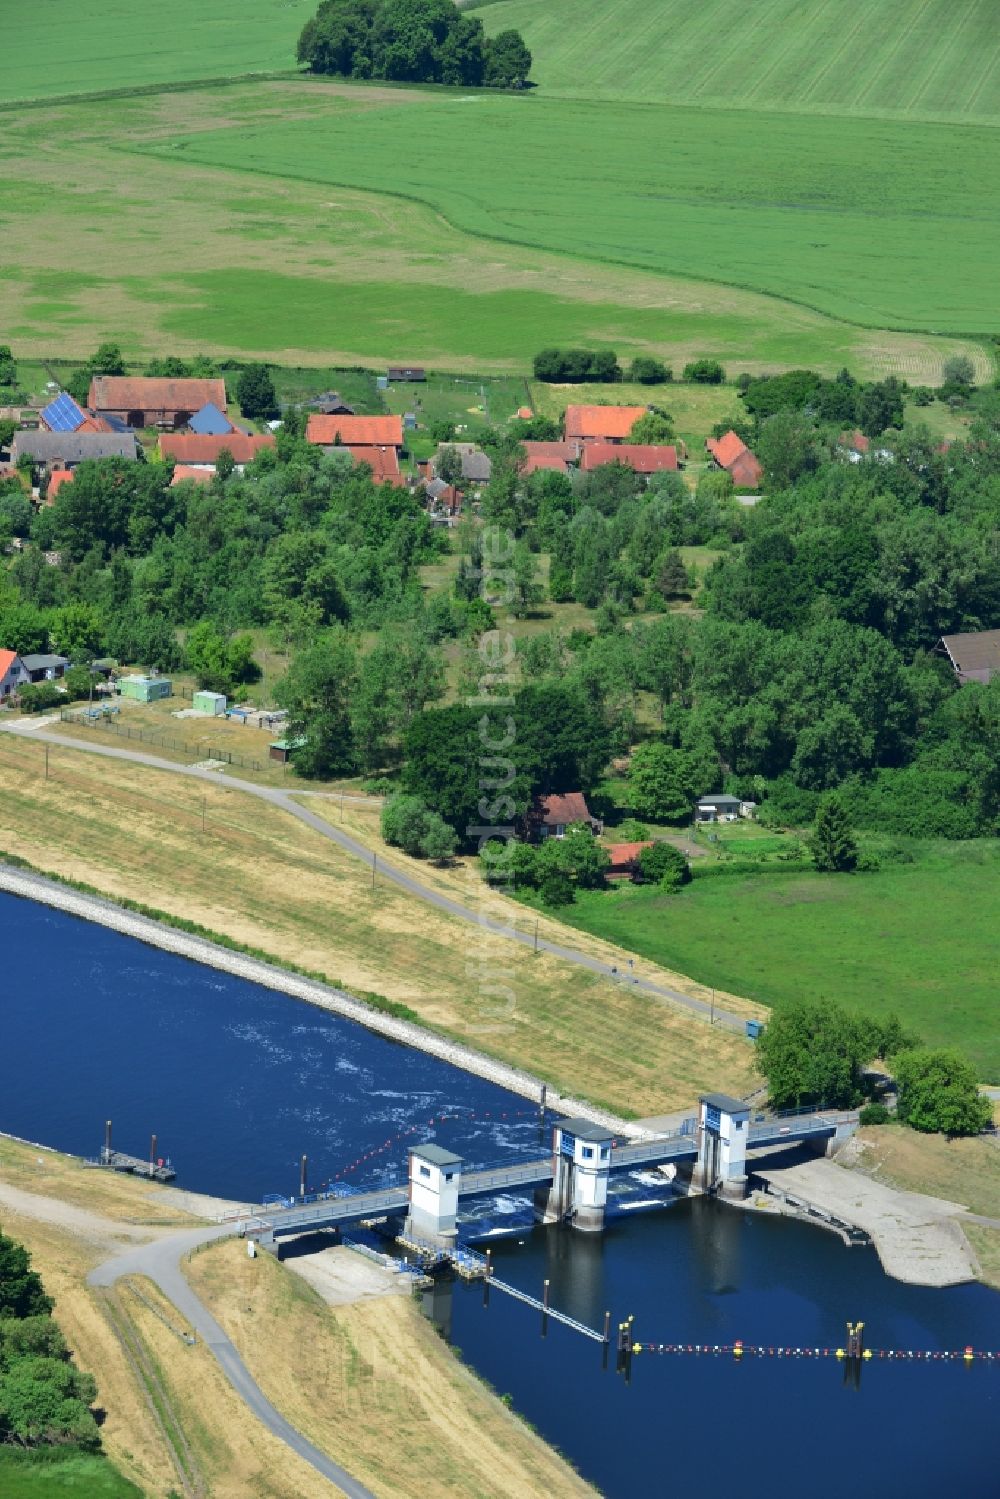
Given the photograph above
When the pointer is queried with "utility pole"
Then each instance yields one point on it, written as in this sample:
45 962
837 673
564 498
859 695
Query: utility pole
374 863
536 933
46 762
203 801
712 1021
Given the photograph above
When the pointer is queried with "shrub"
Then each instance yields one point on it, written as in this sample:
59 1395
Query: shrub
36 697
874 1113
705 372
648 371
557 889
938 1093
665 866
575 366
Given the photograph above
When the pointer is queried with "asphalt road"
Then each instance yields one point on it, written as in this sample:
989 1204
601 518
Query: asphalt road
404 881
160 1261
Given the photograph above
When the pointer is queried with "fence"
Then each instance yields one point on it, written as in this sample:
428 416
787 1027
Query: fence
161 741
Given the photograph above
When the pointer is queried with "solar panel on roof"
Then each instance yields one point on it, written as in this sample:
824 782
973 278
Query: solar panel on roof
63 414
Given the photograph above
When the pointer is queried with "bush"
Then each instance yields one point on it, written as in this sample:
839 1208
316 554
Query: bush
648 371
958 370
409 824
36 697
77 682
557 889
874 1113
938 1093
705 372
665 866
576 366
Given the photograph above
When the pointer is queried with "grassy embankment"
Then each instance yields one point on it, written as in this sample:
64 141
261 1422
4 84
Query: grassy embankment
398 1409
264 880
896 939
167 253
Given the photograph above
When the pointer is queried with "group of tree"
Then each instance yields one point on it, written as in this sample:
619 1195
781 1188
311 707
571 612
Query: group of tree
414 41
577 366
816 1052
45 1399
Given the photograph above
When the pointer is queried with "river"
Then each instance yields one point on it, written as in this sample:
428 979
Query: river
238 1081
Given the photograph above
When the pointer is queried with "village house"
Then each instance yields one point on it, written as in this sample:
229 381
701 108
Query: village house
148 401
383 462
329 432
331 403
64 450
201 450
721 808
43 668
730 452
13 674
556 457
210 422
189 473
641 458
601 423
625 859
444 501
551 816
57 478
410 373
975 657
856 445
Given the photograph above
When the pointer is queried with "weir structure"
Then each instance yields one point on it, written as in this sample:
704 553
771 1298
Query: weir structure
570 1184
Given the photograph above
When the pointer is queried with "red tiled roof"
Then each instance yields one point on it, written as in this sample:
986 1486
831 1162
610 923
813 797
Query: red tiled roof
383 462
855 440
607 422
550 455
524 413
57 478
642 458
355 431
559 810
196 447
7 659
726 449
745 471
184 471
148 393
622 854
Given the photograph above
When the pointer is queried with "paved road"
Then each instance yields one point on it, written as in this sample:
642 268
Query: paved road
160 1261
283 800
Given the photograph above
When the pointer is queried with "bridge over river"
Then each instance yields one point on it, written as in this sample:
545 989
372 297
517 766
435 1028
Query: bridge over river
570 1183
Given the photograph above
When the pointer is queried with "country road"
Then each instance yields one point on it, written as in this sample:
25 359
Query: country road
285 801
161 1262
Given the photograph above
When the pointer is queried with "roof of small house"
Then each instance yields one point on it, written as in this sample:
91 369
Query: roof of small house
72 447
856 441
43 662
622 854
727 448
355 431
746 471
57 478
608 422
62 414
975 656
476 467
406 372
718 800
550 455
560 809
150 393
524 413
7 659
203 447
383 462
331 403
641 457
183 472
210 421
436 1155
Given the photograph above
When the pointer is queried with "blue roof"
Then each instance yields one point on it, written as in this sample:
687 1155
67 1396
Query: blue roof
210 422
63 414
116 423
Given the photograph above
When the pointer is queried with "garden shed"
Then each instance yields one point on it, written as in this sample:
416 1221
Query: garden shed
146 689
209 702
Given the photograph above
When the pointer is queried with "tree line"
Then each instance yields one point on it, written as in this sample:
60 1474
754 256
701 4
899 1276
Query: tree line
412 41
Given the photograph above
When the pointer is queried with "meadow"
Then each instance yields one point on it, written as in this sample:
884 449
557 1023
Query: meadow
936 59
858 218
920 939
48 1475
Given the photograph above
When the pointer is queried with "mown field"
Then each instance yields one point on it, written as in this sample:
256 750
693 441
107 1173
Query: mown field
920 938
912 57
860 218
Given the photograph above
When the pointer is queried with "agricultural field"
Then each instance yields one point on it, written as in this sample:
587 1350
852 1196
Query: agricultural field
920 939
169 255
856 217
936 59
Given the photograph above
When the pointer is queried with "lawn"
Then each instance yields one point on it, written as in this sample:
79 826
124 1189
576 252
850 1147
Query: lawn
856 217
920 938
47 1475
917 58
695 408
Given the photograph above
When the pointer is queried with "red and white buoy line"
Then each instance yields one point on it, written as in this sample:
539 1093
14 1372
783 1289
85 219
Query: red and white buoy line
413 1129
740 1349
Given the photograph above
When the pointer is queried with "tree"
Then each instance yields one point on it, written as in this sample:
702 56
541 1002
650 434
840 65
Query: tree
107 359
672 579
813 1052
508 61
556 888
448 465
958 370
705 372
654 427
442 753
438 840
317 692
527 588
832 846
648 371
8 370
663 865
21 1291
661 783
77 631
38 697
255 392
220 663
405 823
578 855
938 1093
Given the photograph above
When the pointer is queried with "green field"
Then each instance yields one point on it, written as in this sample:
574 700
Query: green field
921 939
858 218
916 57
46 1475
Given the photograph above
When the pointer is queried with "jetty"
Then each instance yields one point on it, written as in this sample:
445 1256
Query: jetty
154 1169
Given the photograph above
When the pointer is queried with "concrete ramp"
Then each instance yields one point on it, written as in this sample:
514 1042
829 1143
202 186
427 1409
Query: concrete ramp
919 1239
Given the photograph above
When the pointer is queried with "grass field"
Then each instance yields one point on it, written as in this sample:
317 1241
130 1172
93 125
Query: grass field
920 938
170 256
856 217
917 58
44 1475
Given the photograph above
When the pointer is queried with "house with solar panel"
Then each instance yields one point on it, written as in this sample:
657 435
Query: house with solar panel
149 401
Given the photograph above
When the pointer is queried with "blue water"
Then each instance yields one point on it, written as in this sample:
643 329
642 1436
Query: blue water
238 1081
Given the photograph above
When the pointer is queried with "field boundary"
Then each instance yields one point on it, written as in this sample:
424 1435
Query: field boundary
139 90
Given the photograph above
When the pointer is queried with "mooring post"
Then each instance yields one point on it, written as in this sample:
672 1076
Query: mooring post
607 1341
303 1168
152 1153
489 1263
107 1140
545 1308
